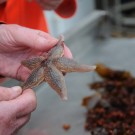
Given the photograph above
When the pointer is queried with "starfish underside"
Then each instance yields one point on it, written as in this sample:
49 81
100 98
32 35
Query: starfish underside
50 69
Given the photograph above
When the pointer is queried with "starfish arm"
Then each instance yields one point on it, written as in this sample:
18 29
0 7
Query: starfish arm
69 65
56 80
33 62
35 78
57 50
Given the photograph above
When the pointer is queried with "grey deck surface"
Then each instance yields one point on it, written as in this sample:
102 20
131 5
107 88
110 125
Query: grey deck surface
51 112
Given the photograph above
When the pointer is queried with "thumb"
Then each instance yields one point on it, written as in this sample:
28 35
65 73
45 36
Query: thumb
35 39
9 93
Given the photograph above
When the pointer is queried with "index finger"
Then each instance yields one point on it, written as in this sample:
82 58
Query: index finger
35 39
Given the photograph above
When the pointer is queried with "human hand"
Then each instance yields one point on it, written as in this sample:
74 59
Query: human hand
49 4
15 108
18 43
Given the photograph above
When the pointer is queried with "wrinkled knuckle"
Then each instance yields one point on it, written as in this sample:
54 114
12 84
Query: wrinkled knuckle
3 26
4 29
9 27
15 26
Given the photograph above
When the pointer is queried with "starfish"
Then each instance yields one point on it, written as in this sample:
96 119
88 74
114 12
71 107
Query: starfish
51 68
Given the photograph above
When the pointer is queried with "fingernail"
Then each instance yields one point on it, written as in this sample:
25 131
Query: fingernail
17 89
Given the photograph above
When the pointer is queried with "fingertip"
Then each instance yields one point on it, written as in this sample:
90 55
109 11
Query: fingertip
15 92
29 92
31 99
17 89
67 52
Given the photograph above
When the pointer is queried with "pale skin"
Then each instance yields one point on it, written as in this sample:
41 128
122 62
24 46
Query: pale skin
16 44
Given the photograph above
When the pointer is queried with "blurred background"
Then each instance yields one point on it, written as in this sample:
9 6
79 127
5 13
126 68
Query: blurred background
120 15
100 31
59 25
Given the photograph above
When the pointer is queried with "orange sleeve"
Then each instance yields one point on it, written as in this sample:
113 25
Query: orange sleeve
24 13
67 8
29 14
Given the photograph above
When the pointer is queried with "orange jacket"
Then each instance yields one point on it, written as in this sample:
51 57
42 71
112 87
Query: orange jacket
29 14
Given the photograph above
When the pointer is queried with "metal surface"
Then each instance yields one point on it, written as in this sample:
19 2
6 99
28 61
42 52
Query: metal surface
127 6
118 15
128 21
115 13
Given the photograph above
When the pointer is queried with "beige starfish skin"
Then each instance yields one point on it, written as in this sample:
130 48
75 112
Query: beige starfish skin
50 69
